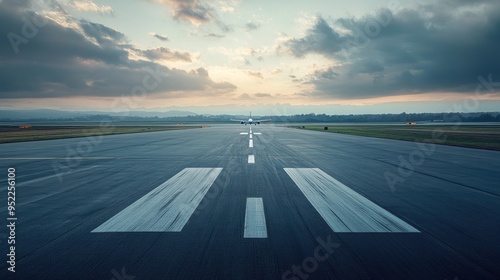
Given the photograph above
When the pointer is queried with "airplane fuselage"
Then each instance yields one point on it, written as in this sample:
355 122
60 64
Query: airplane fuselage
250 121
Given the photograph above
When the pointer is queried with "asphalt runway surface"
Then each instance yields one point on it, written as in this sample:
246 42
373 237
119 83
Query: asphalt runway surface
228 203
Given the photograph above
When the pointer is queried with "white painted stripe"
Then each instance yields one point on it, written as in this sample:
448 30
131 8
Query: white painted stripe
343 209
23 183
251 135
250 144
255 219
243 133
166 208
257 133
251 159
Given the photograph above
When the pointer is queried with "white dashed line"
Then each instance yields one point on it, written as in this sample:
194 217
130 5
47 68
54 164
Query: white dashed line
166 208
251 136
257 133
343 209
243 133
255 219
250 144
251 159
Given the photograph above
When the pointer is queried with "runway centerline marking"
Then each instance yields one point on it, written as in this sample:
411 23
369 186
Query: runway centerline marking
343 209
168 207
250 144
255 219
251 135
251 159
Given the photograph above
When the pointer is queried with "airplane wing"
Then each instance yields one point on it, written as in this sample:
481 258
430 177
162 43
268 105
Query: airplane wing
259 121
240 121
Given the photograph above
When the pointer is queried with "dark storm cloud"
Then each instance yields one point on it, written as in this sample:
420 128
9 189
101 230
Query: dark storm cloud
440 47
321 38
58 61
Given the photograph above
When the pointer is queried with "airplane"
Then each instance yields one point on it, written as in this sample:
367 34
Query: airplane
251 121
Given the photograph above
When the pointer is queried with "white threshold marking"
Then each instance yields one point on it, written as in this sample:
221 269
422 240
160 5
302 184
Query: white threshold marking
250 144
251 159
22 183
166 208
255 219
343 209
243 133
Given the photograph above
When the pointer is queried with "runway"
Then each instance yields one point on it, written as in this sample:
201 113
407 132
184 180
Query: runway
259 202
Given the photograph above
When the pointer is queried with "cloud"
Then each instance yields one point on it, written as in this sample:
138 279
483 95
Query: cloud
440 47
160 37
297 80
321 39
253 96
224 27
166 54
244 96
88 59
276 71
226 6
197 12
324 74
213 35
190 11
89 6
255 74
252 26
101 34
261 94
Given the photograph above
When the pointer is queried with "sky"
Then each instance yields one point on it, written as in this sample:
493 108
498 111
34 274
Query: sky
232 56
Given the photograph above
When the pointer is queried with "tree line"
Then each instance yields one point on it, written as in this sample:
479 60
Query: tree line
305 118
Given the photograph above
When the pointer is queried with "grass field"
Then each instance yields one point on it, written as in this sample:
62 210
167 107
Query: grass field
9 134
481 137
